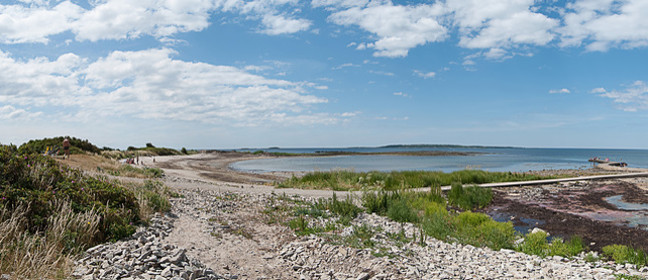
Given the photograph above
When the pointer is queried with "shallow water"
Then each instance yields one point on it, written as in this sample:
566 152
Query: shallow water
527 223
489 159
637 215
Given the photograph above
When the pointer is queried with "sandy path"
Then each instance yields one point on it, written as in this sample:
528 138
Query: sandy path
210 171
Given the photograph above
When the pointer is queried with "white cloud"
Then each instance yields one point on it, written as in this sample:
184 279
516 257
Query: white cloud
35 23
603 24
500 25
401 94
9 112
40 81
633 98
562 90
279 24
345 65
424 75
598 90
151 84
390 74
398 28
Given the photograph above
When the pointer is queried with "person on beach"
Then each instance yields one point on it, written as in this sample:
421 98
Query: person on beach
66 148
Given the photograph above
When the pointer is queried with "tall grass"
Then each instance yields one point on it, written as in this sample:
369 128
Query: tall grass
49 211
348 180
469 198
44 254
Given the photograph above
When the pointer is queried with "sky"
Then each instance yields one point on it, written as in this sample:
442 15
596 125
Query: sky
325 73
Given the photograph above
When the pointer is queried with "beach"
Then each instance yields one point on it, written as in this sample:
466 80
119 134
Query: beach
222 222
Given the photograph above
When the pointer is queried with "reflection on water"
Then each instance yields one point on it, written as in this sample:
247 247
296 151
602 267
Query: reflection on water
636 217
490 159
619 203
526 225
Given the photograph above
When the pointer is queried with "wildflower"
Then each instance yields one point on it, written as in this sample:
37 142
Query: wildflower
72 181
82 188
4 198
28 165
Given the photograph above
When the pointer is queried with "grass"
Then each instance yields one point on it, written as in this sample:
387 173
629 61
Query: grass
348 180
96 163
625 254
469 198
537 244
49 212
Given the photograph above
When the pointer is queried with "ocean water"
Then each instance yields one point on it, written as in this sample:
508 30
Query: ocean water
489 159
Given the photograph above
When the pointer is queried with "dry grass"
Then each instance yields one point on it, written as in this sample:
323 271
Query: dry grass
97 163
26 255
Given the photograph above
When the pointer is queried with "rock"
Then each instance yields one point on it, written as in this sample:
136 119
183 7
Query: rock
363 276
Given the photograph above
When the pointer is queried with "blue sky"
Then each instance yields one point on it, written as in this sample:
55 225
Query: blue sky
289 73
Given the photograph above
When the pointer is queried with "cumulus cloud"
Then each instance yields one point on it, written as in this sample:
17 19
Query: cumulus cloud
632 98
37 21
151 84
279 24
562 90
603 24
398 28
500 25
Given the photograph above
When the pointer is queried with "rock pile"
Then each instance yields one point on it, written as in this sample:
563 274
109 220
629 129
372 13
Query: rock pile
142 256
313 257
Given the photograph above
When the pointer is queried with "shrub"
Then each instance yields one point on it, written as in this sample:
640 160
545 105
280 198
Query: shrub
76 146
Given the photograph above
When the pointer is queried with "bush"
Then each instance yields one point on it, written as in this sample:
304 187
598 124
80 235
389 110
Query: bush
77 146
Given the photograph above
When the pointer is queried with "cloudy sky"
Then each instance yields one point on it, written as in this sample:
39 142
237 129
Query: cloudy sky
291 73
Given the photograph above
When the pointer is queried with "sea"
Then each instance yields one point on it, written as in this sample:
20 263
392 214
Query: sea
501 159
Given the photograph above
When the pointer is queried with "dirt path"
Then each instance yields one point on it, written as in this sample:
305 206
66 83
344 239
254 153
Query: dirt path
223 223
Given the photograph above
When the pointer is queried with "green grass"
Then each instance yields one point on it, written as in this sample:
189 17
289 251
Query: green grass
469 198
537 244
348 180
625 254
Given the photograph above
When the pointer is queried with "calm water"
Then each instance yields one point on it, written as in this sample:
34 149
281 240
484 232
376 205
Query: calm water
491 159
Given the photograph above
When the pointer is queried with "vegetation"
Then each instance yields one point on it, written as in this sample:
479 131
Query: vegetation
152 150
537 244
49 211
77 146
396 180
469 198
625 254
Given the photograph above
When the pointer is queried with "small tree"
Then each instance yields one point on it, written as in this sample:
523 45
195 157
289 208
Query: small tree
149 145
184 151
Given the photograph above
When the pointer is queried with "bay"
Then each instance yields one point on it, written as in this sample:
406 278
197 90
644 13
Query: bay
486 158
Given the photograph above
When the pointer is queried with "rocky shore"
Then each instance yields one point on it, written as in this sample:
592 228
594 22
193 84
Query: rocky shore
227 235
